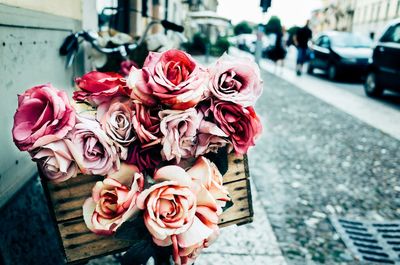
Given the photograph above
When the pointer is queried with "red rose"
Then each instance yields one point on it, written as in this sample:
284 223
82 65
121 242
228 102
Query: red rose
241 124
97 87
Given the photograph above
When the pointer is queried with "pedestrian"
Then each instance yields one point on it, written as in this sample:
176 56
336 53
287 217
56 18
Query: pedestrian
301 38
278 52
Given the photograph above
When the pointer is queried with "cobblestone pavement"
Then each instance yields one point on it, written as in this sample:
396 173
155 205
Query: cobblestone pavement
313 160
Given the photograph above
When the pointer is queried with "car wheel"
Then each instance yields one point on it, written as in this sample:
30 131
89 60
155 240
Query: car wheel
310 68
371 86
332 72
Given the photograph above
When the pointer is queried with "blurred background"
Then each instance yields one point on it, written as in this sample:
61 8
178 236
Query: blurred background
326 171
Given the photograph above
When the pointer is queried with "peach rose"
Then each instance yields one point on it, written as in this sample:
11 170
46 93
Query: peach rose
179 207
43 112
188 255
169 205
206 173
113 200
172 78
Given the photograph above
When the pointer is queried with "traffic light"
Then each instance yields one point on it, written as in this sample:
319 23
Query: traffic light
265 4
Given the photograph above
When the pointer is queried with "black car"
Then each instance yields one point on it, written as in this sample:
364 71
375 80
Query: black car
384 70
340 53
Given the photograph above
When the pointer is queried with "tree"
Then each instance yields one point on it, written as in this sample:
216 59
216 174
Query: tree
273 25
242 28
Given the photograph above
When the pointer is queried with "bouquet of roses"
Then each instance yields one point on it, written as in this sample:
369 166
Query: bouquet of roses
149 135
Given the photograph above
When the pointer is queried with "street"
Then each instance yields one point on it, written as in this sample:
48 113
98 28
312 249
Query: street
314 160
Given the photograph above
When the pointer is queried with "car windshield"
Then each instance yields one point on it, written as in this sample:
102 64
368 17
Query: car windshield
350 40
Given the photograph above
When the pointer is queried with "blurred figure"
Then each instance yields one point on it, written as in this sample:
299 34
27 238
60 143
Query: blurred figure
301 38
278 52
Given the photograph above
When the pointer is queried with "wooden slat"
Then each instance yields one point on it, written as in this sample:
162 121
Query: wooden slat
237 168
80 244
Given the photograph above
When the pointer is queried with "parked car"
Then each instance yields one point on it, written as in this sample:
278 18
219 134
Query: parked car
384 68
339 53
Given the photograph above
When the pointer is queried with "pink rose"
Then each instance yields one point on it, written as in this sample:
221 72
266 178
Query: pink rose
180 130
172 77
95 152
145 158
113 200
236 80
43 112
97 87
241 124
169 205
56 160
147 124
188 255
116 117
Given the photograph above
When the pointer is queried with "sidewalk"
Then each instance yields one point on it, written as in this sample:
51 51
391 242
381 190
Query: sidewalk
253 243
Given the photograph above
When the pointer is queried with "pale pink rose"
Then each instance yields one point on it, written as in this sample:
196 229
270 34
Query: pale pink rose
97 87
147 124
172 78
169 205
188 255
43 112
94 152
113 200
236 80
210 138
205 173
241 124
56 160
116 119
180 130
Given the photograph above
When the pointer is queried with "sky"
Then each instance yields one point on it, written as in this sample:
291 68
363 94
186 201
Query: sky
291 12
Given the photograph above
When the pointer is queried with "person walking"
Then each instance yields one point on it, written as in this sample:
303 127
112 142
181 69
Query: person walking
278 52
301 38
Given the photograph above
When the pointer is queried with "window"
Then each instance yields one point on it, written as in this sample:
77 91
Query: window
392 34
324 42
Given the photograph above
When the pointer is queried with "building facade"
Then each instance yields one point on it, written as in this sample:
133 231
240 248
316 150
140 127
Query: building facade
371 16
367 17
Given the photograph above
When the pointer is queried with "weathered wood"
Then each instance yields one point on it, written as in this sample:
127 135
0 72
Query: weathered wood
66 200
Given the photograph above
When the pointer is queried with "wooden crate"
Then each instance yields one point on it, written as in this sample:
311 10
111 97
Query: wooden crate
80 244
